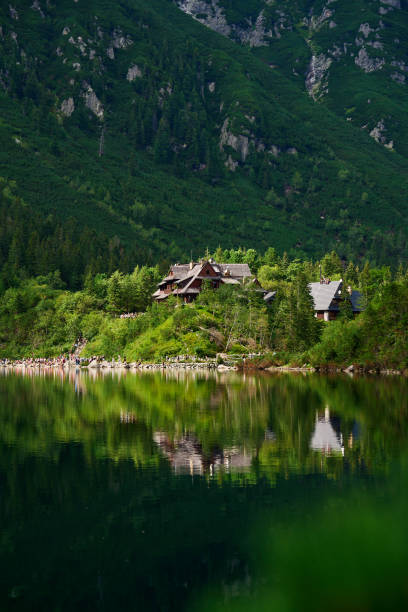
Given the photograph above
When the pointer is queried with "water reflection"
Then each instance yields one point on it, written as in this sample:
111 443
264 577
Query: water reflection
186 455
124 491
327 436
207 423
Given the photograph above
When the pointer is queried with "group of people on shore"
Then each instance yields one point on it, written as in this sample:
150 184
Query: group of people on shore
64 361
43 362
73 360
129 315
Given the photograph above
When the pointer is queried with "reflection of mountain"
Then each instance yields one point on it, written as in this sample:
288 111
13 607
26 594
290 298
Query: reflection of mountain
186 455
327 436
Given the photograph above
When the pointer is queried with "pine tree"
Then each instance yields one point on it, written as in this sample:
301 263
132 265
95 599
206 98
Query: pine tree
115 291
332 265
346 308
296 327
351 275
162 146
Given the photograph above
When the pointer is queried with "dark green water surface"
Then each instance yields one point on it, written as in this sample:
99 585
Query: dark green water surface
202 492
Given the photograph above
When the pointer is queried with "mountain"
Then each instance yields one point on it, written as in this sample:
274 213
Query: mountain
349 55
135 131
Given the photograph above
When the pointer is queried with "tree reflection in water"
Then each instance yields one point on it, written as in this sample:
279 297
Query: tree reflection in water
134 491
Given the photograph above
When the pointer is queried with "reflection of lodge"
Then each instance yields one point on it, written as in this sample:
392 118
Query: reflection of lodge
327 436
186 456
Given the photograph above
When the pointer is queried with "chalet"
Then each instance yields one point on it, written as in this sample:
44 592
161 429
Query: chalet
186 280
328 295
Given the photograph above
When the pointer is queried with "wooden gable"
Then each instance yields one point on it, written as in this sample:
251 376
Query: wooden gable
208 270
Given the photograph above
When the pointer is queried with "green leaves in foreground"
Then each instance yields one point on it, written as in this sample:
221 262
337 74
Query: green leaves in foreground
351 555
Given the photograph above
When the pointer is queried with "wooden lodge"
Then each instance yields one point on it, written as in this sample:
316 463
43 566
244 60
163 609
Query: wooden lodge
328 295
186 281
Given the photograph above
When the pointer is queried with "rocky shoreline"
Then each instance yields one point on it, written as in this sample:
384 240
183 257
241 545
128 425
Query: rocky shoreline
352 369
97 364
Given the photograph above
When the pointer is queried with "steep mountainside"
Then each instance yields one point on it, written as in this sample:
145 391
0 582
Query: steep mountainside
163 136
350 55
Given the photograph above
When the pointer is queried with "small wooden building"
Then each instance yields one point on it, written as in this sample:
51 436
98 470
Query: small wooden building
328 295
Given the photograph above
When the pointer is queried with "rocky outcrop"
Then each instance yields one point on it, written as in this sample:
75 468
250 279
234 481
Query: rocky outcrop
393 3
243 142
13 12
239 143
366 29
255 35
378 133
398 78
317 21
208 13
316 75
92 101
67 107
231 164
79 43
367 63
133 73
400 65
36 7
211 14
119 40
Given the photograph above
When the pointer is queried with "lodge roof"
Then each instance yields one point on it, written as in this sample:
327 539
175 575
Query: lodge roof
235 270
184 275
323 294
269 296
230 281
187 290
180 271
357 301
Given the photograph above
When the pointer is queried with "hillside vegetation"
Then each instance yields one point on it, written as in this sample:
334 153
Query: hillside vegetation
137 134
41 318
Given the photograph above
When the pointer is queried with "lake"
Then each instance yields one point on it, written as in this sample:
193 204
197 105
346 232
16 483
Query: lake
202 491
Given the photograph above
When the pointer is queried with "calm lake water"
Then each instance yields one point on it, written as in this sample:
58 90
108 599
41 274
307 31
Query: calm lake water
202 492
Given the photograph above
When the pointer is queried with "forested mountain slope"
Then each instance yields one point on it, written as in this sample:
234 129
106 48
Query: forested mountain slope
350 55
145 134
